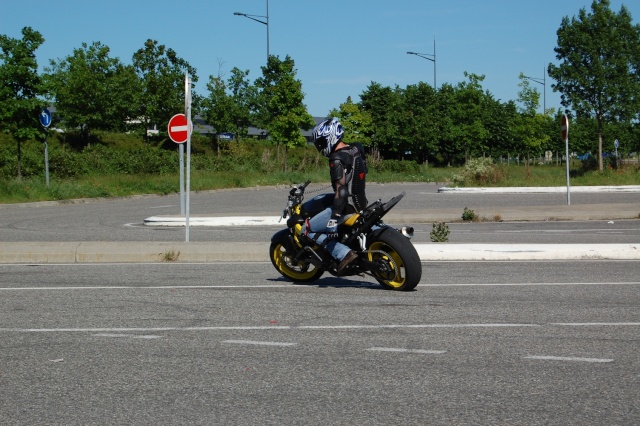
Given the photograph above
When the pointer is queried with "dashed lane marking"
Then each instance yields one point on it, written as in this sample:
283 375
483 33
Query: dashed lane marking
253 342
411 351
567 358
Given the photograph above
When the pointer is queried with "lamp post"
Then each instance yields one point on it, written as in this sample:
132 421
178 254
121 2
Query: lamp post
429 57
542 81
265 22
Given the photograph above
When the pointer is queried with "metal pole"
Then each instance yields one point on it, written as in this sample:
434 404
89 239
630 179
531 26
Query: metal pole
544 88
188 179
46 159
267 32
435 87
181 151
568 182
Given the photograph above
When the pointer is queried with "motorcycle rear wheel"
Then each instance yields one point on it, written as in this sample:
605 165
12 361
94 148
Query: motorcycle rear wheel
399 264
282 260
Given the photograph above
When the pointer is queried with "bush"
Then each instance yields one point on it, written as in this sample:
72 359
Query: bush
479 171
440 232
469 214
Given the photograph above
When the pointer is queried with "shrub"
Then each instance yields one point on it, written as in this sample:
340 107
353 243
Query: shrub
469 214
440 232
479 171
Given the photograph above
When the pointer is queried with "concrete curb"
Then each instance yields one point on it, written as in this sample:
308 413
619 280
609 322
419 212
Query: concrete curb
542 190
203 252
403 217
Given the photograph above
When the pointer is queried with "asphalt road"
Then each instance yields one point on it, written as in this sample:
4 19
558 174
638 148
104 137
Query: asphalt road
518 343
122 219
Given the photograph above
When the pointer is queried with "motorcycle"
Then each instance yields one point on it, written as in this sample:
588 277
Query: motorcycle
384 253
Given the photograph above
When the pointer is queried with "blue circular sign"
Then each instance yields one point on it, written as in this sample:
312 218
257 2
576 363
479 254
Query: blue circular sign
45 117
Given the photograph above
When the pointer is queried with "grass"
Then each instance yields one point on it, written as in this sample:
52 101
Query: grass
96 186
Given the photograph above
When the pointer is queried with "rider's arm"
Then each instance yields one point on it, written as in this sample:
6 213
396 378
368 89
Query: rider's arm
339 182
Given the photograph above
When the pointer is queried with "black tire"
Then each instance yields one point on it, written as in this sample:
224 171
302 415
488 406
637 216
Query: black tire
399 264
281 258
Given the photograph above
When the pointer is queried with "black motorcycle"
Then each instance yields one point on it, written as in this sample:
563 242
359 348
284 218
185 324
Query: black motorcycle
385 253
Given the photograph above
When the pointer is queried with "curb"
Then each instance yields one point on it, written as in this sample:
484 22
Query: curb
543 189
203 252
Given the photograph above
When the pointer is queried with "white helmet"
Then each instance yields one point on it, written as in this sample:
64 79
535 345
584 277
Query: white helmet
327 135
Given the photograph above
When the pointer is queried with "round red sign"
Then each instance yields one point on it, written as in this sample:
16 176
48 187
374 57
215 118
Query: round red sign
178 128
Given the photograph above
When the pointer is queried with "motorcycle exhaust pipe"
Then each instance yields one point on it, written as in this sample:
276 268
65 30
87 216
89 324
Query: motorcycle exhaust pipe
407 231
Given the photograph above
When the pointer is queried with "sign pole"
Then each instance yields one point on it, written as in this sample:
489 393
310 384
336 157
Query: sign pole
565 135
181 151
187 100
46 158
45 120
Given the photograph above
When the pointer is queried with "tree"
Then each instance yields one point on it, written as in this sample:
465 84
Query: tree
162 74
93 91
244 96
20 89
217 107
356 122
599 73
530 127
382 103
470 132
418 121
281 109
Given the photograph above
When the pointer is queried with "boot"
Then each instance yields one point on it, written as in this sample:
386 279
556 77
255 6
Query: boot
350 257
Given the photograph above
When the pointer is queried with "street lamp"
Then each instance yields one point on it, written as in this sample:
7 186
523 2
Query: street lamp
265 22
429 57
542 81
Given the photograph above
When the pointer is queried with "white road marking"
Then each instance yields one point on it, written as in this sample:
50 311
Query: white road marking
526 284
595 324
345 327
130 336
121 332
154 287
567 358
411 351
252 342
247 328
291 285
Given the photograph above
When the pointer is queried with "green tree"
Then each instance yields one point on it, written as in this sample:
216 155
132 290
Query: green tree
93 91
217 107
281 109
530 127
599 73
417 121
244 96
20 90
469 130
382 103
162 74
357 122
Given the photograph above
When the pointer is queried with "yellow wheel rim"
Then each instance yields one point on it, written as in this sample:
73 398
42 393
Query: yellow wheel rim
396 266
293 270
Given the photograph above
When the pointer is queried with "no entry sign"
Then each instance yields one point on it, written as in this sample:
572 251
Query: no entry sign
178 128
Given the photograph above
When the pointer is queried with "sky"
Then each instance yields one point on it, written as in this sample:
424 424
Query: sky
339 46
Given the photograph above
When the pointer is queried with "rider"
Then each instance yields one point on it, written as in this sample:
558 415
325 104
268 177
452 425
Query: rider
348 170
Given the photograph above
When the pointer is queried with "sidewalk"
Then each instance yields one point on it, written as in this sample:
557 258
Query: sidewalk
203 252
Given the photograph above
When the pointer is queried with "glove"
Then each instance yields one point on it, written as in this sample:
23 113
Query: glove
332 228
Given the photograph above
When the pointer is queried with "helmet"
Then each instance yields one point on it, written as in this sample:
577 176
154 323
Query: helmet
327 135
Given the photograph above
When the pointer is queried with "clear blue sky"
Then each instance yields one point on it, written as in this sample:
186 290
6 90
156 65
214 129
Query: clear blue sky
339 46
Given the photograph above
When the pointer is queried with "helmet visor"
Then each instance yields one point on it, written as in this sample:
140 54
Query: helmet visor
320 143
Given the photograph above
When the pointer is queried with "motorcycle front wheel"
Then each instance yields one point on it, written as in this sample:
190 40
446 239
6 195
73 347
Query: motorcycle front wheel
397 264
282 260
